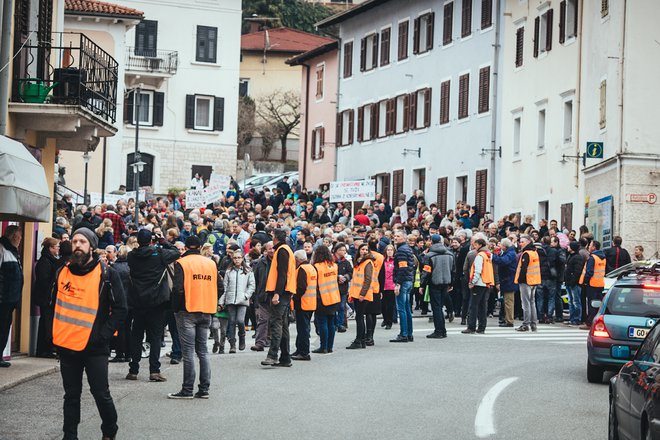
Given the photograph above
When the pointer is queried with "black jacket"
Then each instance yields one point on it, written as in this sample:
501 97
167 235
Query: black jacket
148 266
121 267
260 270
45 271
611 260
574 266
111 312
178 302
282 268
345 268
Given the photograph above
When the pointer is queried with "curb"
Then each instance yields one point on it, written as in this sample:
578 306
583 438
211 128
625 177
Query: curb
29 377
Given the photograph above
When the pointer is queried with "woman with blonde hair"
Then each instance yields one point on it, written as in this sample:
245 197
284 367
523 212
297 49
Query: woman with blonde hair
105 233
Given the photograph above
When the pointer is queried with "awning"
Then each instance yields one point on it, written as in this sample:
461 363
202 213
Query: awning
24 193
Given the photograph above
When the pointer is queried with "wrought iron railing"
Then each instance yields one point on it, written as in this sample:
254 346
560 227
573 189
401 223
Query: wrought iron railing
69 69
152 61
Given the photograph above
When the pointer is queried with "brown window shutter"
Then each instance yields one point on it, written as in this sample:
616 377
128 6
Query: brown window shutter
363 55
406 113
374 53
486 14
548 38
314 135
360 121
481 190
520 39
385 192
562 22
484 89
463 96
403 40
351 127
321 142
430 25
427 108
348 60
537 23
466 18
441 198
375 120
566 220
416 35
397 184
604 8
412 113
575 23
444 102
385 47
447 24
339 140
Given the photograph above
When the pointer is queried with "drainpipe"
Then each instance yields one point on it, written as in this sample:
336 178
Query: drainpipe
578 100
304 170
493 132
5 59
619 153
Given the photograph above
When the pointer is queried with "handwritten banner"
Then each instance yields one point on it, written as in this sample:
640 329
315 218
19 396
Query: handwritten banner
352 191
195 199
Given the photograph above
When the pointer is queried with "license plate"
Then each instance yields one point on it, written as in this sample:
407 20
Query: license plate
638 333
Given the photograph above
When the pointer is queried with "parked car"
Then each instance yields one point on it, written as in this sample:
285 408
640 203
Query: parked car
635 394
627 313
275 180
257 181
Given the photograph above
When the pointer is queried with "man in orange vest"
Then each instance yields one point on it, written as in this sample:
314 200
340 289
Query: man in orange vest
593 280
528 276
194 299
304 303
90 305
481 279
280 286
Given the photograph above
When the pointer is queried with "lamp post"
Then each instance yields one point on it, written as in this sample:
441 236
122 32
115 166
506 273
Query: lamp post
86 158
137 157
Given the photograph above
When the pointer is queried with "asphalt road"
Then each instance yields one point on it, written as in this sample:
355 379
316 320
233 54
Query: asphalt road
501 385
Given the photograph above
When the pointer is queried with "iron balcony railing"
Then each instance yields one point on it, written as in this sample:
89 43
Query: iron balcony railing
153 61
68 69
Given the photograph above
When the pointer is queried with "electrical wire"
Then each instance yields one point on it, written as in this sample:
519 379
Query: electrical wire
17 52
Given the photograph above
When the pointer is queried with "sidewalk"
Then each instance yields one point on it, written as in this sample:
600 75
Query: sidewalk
25 368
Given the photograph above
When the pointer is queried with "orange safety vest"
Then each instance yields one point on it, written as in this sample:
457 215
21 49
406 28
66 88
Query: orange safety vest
200 283
75 308
358 281
598 279
271 282
327 283
487 275
308 299
378 265
533 277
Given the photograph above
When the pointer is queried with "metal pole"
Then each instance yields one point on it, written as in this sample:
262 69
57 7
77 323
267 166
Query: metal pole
5 57
86 172
105 144
136 157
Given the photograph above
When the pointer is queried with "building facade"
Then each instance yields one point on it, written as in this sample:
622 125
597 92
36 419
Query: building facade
417 99
317 155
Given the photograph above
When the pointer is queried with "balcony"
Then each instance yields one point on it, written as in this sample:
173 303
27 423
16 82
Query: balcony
66 89
150 66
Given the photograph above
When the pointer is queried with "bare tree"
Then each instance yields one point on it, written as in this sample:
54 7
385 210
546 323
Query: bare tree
246 122
269 135
281 111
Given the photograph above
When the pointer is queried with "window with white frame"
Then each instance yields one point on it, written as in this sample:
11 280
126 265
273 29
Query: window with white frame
541 130
318 142
516 135
402 104
203 113
568 121
369 52
382 118
142 107
366 121
320 74
543 33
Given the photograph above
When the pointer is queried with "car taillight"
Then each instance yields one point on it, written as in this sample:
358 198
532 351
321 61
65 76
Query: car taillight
598 328
651 286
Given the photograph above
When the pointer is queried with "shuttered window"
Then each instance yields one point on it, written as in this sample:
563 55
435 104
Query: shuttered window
427 107
390 118
369 53
602 121
548 30
151 108
207 42
205 112
448 24
397 184
403 40
423 33
466 19
412 111
345 128
375 120
318 143
481 191
568 19
348 59
441 198
383 185
146 38
486 14
543 33
360 124
566 219
405 115
562 22
463 96
484 89
320 74
537 23
385 36
520 39
444 101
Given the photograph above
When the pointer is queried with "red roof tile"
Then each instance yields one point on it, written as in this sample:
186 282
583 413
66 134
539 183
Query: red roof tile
94 7
283 39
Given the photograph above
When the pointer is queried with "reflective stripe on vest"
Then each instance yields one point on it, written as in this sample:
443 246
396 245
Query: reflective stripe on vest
533 277
327 283
200 283
378 265
487 275
358 281
271 282
598 278
75 308
308 299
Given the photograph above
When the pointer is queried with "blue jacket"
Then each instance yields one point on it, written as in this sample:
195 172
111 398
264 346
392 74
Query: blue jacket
404 264
507 263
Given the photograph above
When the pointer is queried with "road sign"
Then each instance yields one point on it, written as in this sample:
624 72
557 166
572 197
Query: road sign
594 150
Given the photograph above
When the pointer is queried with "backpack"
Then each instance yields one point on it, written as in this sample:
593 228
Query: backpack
219 242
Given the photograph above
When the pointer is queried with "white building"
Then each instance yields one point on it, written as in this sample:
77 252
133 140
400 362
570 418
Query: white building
417 102
539 79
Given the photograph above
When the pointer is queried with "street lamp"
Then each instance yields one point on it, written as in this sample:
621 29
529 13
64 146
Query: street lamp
86 158
138 167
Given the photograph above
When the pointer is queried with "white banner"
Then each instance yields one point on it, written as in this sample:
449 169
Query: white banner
213 193
352 191
220 181
112 199
195 199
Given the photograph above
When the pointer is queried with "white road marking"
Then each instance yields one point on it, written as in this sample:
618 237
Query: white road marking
549 338
484 425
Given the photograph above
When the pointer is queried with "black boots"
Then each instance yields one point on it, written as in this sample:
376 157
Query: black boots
358 343
369 340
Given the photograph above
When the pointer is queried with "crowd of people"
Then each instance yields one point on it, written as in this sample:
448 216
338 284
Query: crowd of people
259 259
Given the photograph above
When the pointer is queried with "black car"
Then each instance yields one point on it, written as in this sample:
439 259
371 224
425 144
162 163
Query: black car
635 394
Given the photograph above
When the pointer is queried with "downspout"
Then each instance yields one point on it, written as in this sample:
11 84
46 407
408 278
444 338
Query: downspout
5 60
578 96
622 58
304 170
493 132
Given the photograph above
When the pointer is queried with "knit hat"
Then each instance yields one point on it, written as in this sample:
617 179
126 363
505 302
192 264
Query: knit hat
575 246
435 238
89 235
193 242
144 237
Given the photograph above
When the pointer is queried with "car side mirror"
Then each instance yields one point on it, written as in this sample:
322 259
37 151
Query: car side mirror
596 304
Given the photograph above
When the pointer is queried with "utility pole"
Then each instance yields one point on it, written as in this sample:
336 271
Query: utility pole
137 159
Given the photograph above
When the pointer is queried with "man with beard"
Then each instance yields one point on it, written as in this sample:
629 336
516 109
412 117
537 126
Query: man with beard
89 306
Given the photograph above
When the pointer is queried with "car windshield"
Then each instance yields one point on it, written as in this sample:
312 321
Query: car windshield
634 301
260 180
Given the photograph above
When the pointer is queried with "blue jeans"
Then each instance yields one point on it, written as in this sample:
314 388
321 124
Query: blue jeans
574 304
403 306
327 329
303 328
341 313
194 332
174 333
545 297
